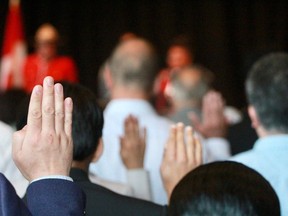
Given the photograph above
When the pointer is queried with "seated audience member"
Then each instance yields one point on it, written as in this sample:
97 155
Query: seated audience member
87 131
267 91
45 61
129 77
42 151
178 56
223 188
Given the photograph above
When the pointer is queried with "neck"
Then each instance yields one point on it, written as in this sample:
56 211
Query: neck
131 92
84 165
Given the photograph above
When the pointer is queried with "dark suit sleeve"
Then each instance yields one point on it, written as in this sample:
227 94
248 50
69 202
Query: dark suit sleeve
10 203
55 197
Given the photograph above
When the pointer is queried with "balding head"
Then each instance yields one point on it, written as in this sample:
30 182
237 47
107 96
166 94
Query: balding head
46 40
189 84
133 63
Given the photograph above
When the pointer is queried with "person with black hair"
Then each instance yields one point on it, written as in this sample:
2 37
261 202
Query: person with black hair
267 92
222 189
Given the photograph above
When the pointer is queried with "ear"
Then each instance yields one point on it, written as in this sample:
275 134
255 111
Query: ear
254 117
98 152
108 77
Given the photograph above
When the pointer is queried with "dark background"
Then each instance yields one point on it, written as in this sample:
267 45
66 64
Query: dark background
227 35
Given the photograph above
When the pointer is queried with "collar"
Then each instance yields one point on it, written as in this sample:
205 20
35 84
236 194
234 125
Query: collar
129 106
272 143
78 175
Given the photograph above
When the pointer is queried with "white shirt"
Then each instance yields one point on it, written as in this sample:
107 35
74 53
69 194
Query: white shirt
7 165
110 165
269 157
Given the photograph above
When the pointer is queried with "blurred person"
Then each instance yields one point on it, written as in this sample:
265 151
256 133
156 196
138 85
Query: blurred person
222 189
267 90
186 92
103 92
87 140
42 151
45 61
129 77
179 55
193 104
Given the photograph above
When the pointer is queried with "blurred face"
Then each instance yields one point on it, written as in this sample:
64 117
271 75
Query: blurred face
46 42
178 57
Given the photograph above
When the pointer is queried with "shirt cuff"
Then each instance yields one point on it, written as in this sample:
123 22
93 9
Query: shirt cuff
53 177
139 181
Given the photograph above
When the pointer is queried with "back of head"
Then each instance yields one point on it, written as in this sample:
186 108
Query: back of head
134 63
223 188
190 83
267 91
87 120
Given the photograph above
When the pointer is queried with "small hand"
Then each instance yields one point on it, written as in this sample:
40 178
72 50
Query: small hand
214 123
180 158
133 144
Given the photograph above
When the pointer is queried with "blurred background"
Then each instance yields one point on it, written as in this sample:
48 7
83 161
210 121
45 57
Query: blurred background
226 36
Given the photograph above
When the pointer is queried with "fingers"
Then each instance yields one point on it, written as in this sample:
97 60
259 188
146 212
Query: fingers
34 118
198 151
190 144
59 108
48 108
180 143
170 148
68 110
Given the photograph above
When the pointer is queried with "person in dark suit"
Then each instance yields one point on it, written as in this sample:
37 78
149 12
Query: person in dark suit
87 132
42 151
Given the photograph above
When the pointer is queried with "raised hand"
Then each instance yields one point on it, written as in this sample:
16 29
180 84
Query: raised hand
44 146
133 144
183 153
214 123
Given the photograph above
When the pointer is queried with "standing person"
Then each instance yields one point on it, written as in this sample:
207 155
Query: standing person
129 78
267 92
45 61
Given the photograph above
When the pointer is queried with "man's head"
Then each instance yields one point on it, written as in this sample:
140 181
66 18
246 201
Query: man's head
222 189
189 85
179 54
46 39
267 92
87 121
133 64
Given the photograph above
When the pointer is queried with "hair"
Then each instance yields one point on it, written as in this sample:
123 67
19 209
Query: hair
223 188
191 91
87 120
267 91
9 112
134 62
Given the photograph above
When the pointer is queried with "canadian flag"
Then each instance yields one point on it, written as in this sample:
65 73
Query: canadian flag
14 49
